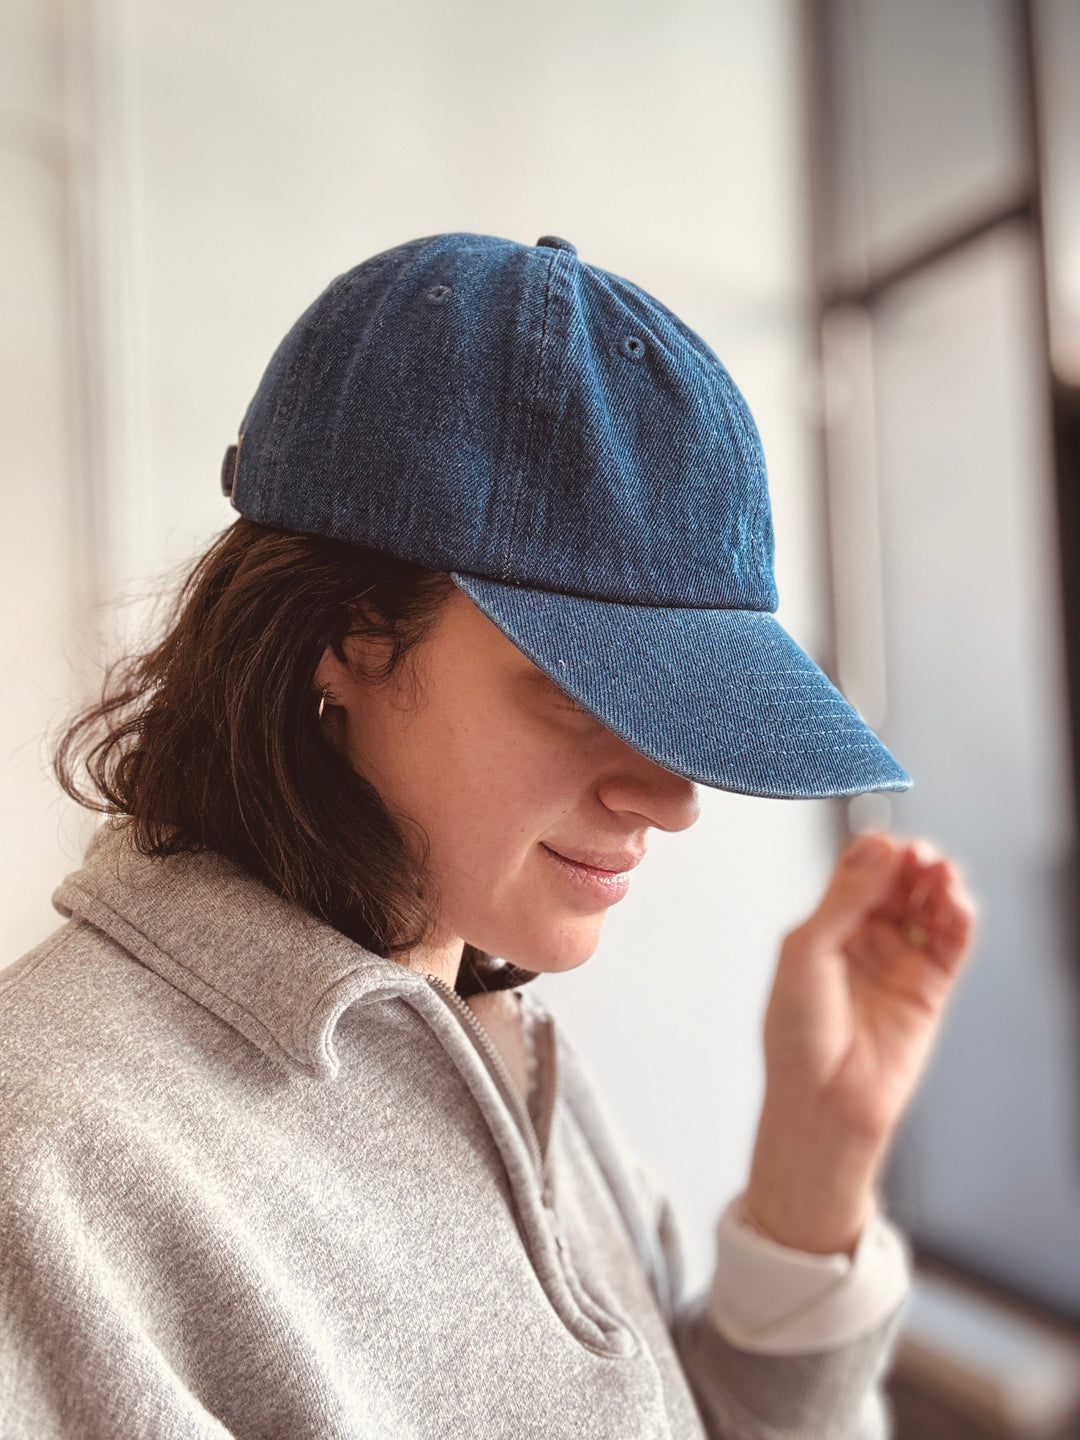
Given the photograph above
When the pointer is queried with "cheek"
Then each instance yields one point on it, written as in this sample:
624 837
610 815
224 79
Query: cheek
483 786
498 792
498 890
486 787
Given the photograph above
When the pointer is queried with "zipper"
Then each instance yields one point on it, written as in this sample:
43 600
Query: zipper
606 1336
511 1094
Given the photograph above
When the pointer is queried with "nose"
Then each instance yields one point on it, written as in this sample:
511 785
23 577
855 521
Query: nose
641 787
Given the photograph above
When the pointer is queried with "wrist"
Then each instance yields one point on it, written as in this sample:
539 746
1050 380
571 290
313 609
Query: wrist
809 1190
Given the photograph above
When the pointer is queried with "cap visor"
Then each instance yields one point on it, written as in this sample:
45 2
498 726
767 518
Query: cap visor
724 697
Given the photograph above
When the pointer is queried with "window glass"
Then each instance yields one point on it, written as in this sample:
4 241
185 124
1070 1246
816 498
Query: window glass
986 1171
924 125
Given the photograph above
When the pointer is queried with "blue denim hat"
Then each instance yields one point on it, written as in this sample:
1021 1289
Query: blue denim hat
584 467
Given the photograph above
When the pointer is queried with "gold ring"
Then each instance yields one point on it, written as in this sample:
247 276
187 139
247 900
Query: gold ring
916 935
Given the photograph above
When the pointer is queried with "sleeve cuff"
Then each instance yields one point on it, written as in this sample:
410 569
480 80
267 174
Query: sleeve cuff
772 1300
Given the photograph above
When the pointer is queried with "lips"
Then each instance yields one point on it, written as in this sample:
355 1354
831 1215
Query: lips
583 882
608 862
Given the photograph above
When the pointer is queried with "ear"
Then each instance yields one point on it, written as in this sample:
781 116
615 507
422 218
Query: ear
344 680
332 676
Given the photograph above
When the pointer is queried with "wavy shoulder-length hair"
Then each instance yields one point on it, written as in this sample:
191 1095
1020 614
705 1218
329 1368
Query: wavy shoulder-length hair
210 740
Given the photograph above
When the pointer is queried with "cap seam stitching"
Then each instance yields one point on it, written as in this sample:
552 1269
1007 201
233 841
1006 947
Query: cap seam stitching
608 600
286 402
527 455
377 321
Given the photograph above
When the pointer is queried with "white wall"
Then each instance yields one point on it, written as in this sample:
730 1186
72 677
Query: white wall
48 555
228 160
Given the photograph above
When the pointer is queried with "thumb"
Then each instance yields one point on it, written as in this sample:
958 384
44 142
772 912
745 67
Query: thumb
863 877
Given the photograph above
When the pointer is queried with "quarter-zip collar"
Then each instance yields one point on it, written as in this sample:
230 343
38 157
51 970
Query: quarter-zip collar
283 978
269 968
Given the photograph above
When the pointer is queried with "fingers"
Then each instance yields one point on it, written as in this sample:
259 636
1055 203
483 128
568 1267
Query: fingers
940 906
907 883
865 875
923 873
928 909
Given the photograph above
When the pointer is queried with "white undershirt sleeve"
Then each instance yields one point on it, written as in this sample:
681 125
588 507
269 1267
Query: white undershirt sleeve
768 1298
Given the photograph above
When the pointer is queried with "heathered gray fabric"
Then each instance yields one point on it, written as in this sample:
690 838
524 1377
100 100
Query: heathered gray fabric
258 1182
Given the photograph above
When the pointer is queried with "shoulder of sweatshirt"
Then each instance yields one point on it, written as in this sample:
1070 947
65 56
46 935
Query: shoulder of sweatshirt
98 1049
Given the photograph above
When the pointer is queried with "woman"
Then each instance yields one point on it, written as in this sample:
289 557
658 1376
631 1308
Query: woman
288 1148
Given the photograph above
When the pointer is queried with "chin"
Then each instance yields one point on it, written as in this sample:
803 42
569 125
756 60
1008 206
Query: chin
562 947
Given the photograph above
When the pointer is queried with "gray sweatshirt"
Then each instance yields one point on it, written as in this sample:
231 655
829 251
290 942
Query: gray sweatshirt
258 1182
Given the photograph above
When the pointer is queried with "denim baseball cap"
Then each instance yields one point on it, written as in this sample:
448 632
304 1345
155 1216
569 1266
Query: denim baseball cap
583 466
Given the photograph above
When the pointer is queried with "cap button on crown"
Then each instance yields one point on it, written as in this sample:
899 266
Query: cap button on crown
556 242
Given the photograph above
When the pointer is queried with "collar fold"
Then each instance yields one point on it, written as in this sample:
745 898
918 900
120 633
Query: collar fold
270 969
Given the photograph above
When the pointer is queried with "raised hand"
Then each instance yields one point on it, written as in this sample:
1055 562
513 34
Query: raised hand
857 999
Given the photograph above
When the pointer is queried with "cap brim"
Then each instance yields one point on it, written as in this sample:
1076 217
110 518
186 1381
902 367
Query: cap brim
723 697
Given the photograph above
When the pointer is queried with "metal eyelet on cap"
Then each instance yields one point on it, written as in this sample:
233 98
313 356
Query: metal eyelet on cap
632 347
438 294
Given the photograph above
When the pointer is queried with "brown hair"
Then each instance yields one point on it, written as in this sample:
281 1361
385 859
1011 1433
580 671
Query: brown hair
211 739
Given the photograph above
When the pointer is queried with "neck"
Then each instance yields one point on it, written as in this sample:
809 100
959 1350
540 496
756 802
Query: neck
439 958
